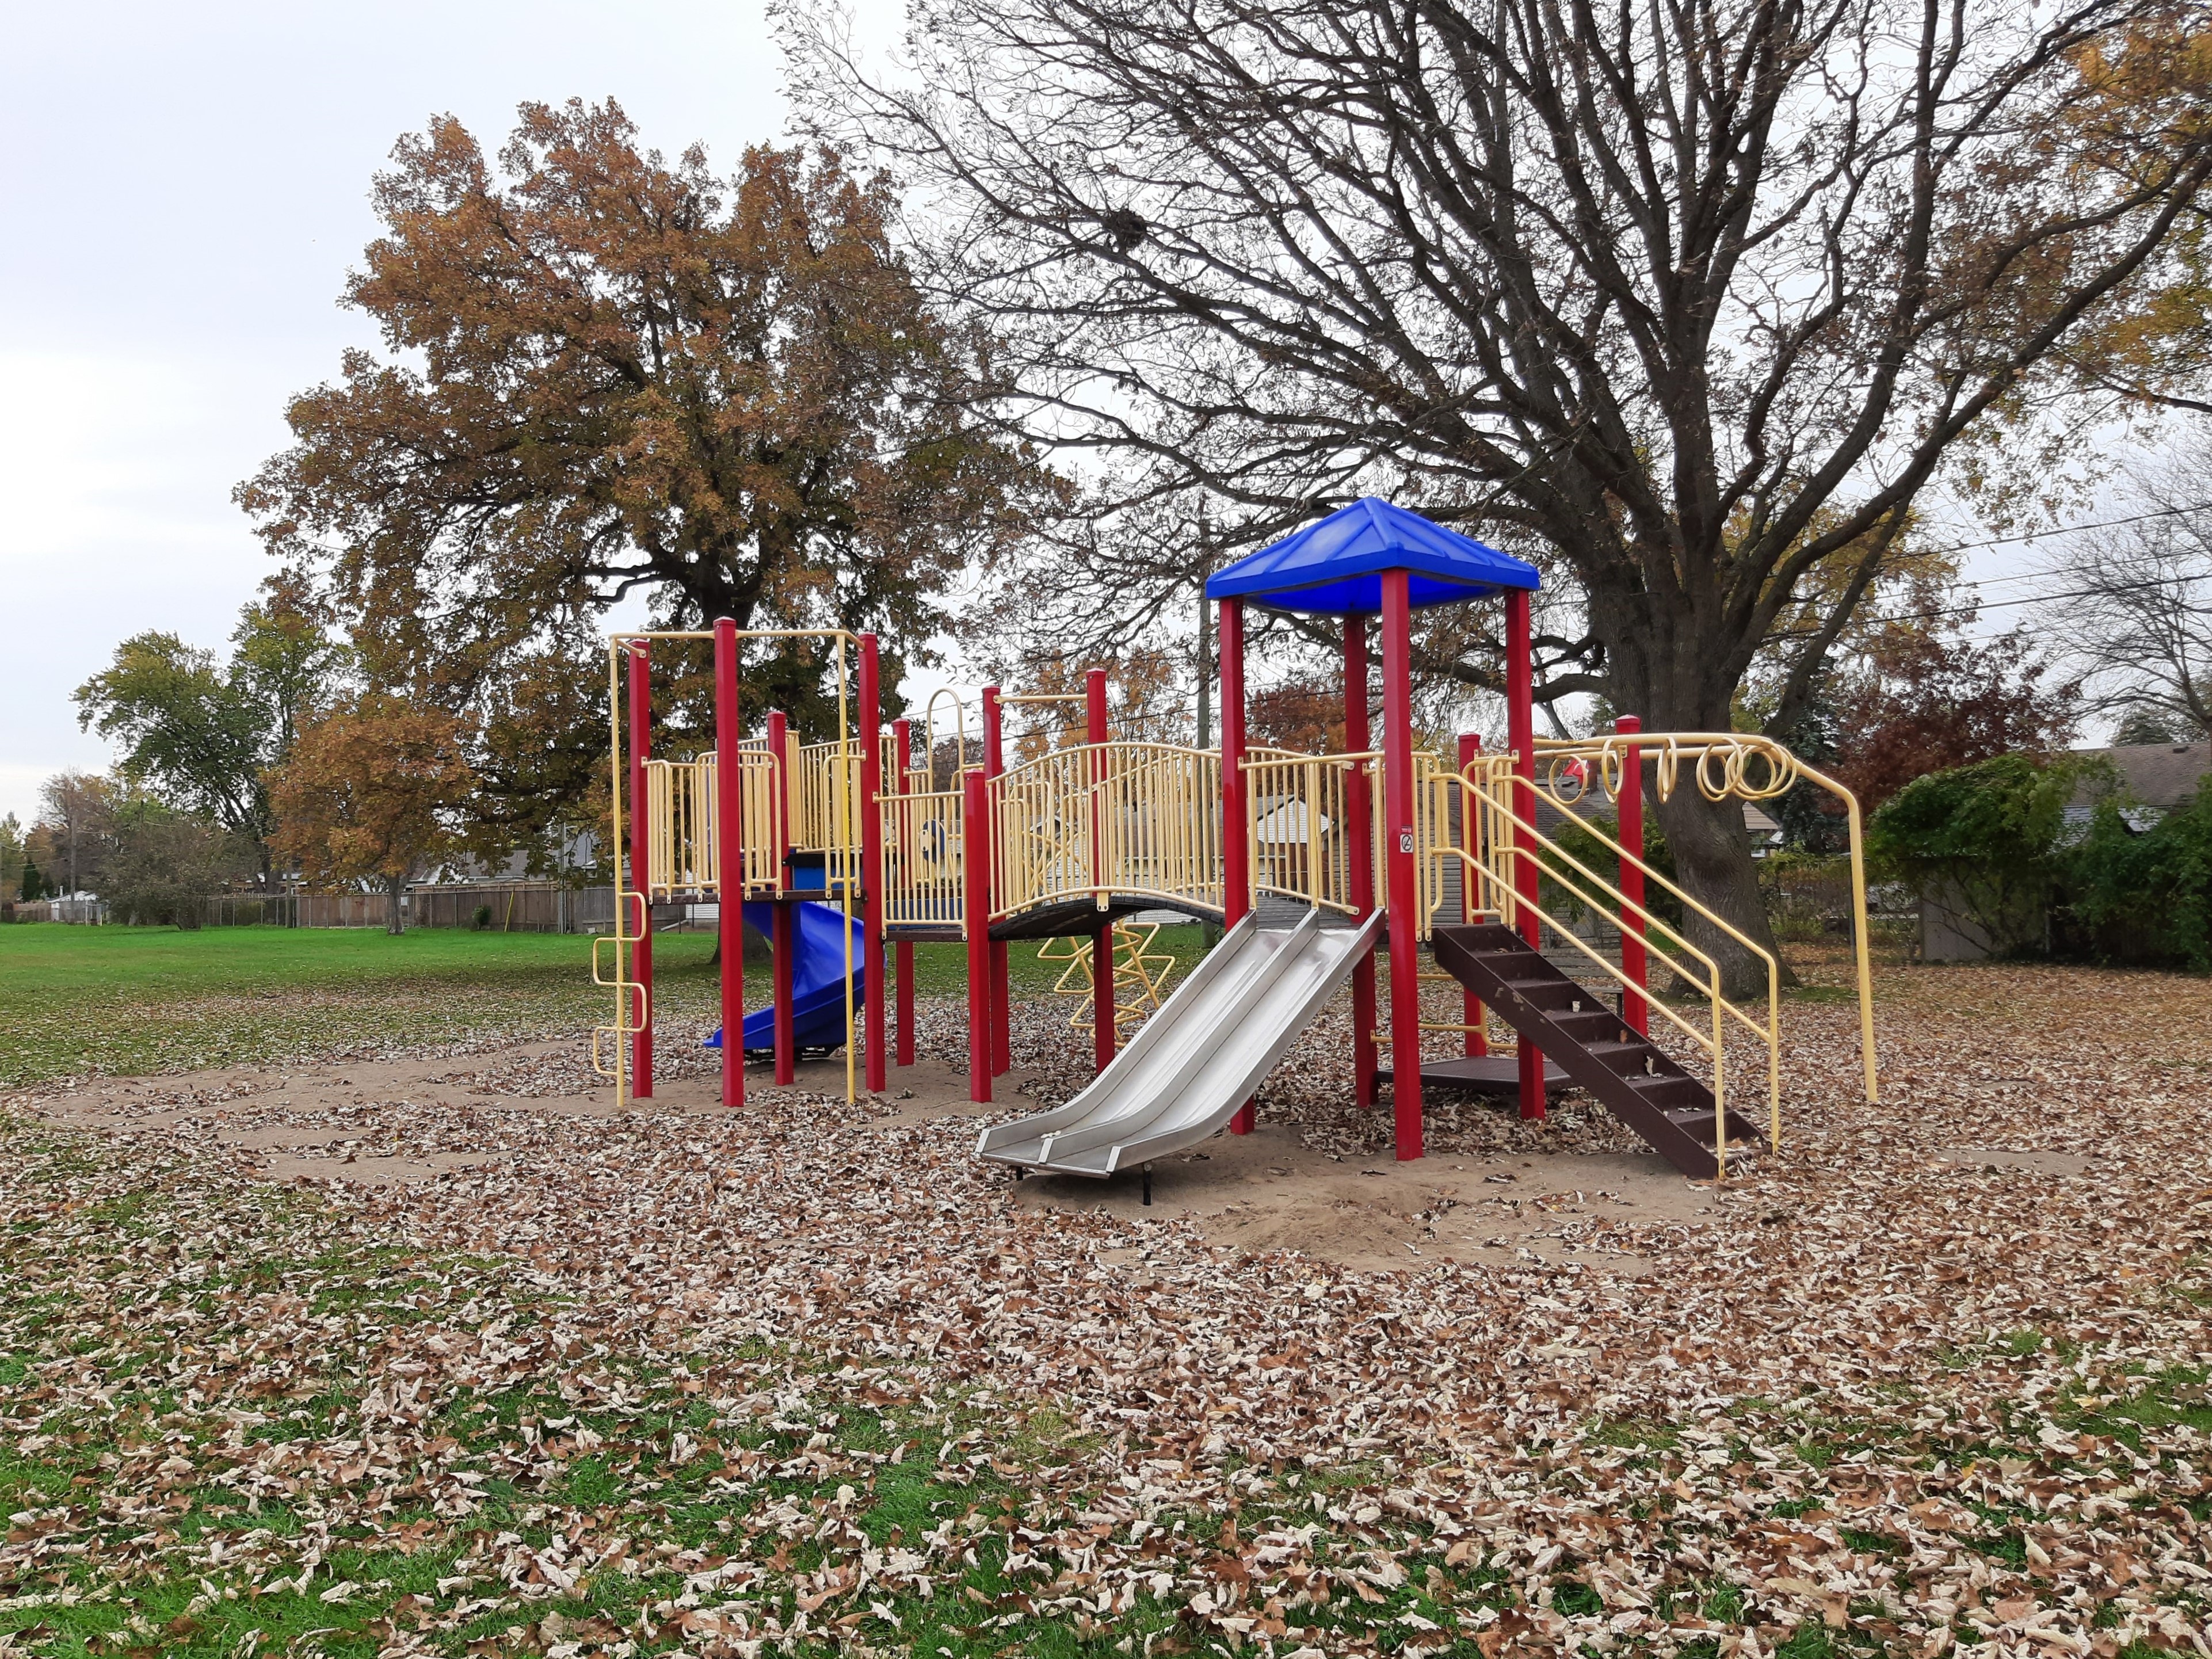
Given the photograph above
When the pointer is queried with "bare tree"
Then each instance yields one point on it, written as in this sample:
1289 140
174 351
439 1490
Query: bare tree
1698 297
2136 600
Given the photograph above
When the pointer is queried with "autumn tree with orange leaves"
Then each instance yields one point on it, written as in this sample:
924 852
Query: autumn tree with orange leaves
609 375
373 792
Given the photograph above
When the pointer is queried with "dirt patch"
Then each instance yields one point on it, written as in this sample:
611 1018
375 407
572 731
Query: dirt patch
1282 1187
372 1171
1270 1190
1993 1159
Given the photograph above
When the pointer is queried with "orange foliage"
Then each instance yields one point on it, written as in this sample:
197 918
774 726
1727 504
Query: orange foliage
371 793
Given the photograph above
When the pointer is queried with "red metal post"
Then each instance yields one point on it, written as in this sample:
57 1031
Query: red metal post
780 930
1520 733
1398 861
1630 816
1002 1000
902 746
1236 813
640 745
1470 834
730 861
1359 852
871 863
1102 1003
975 921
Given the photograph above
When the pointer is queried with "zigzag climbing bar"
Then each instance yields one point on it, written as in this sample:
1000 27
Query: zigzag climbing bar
1140 973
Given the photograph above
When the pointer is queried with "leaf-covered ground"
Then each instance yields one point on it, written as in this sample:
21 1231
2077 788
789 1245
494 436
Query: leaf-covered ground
800 1380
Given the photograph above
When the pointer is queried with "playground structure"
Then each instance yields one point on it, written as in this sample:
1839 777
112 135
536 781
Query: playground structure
1140 974
846 850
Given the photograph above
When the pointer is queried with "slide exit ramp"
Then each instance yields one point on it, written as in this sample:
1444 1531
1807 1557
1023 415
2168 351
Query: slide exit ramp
818 978
1196 1060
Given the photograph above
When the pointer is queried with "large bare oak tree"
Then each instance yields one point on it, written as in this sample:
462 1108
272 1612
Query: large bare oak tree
1698 297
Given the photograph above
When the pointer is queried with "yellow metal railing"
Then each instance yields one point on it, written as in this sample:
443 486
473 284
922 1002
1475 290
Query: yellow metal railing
1724 766
1104 820
922 848
683 851
1298 824
825 805
1504 840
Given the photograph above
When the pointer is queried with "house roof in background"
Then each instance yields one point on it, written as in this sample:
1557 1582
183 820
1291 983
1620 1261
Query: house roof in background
2161 775
1334 567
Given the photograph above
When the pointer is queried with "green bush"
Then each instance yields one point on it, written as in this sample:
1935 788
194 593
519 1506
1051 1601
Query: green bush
2155 882
1987 841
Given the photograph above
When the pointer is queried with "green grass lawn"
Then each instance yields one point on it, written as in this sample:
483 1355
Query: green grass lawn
129 1001
161 963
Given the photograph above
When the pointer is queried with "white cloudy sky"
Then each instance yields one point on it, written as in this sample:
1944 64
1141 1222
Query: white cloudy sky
183 188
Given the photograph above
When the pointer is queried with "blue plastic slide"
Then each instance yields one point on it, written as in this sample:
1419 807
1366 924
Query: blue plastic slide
817 979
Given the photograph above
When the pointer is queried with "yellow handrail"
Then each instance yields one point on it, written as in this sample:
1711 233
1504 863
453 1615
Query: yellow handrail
1486 788
1721 762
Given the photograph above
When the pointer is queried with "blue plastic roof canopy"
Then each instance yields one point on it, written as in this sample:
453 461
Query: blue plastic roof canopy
1334 566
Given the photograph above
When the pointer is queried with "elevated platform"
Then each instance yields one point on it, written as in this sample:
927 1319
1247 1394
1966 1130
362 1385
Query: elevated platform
1491 1074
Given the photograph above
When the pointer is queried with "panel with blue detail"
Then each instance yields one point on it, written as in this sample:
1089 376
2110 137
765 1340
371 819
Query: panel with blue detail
818 980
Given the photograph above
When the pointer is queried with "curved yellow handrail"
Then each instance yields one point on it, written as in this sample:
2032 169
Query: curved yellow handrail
1720 763
1487 785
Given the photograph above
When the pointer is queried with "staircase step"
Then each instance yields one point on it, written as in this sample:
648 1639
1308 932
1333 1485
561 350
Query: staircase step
1580 1029
1632 1049
1587 1026
1526 986
1699 1125
1668 1091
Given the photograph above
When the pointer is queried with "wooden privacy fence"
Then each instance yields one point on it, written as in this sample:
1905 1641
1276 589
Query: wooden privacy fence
515 907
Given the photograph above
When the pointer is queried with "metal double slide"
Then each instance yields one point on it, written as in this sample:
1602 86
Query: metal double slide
1196 1060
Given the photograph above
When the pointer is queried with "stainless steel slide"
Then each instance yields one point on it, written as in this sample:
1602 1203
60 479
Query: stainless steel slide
1198 1059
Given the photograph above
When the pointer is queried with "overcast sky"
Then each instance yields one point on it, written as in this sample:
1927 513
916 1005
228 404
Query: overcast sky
183 189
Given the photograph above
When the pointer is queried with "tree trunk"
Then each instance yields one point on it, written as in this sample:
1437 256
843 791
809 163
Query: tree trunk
1659 655
395 887
1712 860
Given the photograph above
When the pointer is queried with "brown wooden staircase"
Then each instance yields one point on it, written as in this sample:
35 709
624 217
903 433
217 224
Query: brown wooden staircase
1630 1074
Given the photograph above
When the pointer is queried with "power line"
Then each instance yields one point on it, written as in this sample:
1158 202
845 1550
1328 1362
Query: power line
2042 599
2044 575
2068 530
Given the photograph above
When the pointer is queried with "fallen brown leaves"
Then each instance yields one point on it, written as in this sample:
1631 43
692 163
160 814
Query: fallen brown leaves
1930 1378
